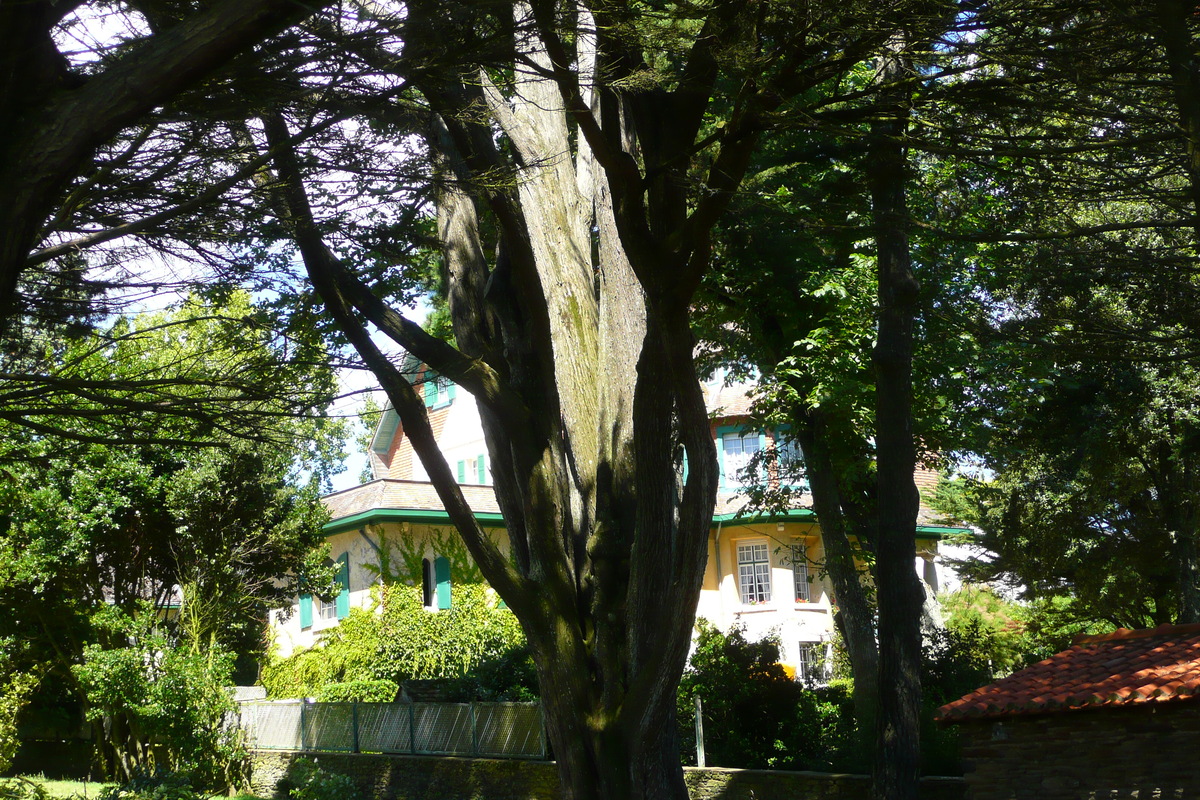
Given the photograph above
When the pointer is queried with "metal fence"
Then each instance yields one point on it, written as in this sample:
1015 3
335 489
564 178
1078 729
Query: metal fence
496 730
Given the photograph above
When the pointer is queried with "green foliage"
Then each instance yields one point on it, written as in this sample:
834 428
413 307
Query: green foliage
755 716
164 705
365 424
997 628
14 694
306 780
402 640
21 788
377 691
1095 481
158 785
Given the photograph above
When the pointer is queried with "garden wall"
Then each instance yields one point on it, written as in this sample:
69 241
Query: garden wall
1148 750
419 777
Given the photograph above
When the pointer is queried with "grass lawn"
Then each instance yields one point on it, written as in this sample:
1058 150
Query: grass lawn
67 788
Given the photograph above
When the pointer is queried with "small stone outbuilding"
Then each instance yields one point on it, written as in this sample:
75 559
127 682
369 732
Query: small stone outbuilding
1115 716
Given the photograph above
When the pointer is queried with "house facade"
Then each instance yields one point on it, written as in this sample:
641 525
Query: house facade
763 572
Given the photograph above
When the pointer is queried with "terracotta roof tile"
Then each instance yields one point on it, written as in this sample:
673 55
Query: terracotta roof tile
1121 668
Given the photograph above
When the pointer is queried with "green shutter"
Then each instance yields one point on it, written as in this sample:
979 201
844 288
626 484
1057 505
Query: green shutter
482 470
343 580
306 611
441 573
450 393
462 471
430 391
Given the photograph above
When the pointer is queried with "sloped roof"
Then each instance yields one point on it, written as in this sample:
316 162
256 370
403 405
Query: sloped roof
1123 668
723 401
389 493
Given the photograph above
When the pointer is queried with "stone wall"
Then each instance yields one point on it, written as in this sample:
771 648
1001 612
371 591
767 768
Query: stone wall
1115 753
419 777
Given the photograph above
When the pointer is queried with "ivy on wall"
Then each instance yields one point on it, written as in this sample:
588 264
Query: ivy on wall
400 555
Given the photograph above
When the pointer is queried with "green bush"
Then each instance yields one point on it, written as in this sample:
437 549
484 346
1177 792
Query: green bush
22 789
306 780
13 696
160 785
755 716
476 644
163 705
378 691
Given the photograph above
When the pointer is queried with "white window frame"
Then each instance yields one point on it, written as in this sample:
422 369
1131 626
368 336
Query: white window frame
787 451
327 610
803 588
730 471
810 662
754 572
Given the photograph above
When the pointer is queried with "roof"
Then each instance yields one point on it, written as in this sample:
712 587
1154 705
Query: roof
728 400
1124 668
391 499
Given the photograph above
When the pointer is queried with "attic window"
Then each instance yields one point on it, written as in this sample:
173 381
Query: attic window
439 392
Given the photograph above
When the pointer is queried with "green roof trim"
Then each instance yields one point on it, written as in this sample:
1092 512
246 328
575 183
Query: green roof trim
493 520
791 515
941 530
380 515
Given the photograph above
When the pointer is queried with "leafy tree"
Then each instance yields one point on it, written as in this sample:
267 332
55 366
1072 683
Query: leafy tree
1093 488
236 524
62 105
599 208
163 706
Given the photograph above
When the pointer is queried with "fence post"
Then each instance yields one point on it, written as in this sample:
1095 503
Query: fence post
303 730
354 723
474 730
412 728
699 733
542 728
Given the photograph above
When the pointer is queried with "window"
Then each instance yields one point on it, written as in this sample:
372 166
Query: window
754 572
737 450
328 610
800 572
427 583
439 392
790 462
474 470
810 666
435 583
337 608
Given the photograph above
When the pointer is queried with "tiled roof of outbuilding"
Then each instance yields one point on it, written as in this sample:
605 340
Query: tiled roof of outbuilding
1125 667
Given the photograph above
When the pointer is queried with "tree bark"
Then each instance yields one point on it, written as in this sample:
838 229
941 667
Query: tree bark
856 615
900 596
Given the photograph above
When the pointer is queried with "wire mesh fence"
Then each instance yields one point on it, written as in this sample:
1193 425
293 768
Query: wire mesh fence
496 730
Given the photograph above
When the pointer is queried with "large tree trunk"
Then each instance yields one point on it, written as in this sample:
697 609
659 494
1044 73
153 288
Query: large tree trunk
856 615
574 242
900 596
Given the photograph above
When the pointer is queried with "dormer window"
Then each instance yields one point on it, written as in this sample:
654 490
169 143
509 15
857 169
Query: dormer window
439 392
736 449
